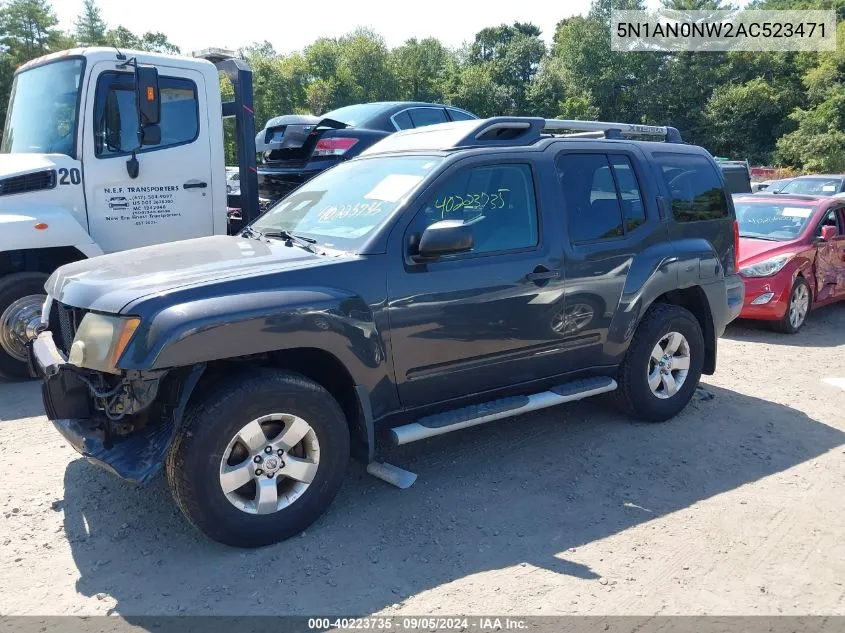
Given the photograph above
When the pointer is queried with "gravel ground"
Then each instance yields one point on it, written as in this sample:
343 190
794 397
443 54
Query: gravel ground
734 507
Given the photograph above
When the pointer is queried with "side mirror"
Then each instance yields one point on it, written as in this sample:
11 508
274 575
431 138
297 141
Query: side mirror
147 95
828 233
445 238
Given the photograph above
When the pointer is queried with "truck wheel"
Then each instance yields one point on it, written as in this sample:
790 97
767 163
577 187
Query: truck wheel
663 365
258 458
800 300
21 298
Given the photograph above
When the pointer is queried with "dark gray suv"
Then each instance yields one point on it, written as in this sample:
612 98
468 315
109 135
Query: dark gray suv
449 276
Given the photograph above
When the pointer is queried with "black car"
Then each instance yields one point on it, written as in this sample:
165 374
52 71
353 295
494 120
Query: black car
296 147
444 278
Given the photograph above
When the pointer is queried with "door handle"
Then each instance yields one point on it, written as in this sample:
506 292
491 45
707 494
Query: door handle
541 275
195 185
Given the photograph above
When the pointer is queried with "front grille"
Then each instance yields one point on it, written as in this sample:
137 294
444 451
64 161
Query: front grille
64 321
28 182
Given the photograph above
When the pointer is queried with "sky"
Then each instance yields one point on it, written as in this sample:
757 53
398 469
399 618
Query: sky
193 25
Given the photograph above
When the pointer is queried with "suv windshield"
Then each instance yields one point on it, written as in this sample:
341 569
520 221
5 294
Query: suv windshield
43 109
813 186
340 207
769 220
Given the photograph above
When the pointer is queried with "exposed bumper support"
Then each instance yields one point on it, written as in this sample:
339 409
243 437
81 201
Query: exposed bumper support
135 457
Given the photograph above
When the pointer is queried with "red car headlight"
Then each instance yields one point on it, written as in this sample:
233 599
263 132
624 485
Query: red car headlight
767 267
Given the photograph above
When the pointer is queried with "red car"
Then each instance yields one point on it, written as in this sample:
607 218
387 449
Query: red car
791 255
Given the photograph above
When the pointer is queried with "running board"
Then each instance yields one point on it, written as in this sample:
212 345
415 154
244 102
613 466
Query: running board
497 409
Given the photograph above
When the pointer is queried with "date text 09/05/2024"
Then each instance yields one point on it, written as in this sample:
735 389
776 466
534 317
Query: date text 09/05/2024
414 623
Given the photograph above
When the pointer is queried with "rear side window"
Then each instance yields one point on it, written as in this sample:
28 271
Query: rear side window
427 116
403 120
459 115
116 115
694 186
602 196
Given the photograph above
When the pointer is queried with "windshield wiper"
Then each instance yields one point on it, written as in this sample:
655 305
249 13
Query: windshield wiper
304 242
760 237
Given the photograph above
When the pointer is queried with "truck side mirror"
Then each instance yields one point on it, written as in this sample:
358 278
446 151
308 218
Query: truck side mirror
147 95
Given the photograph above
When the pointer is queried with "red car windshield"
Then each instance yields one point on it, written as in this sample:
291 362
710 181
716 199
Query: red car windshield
772 221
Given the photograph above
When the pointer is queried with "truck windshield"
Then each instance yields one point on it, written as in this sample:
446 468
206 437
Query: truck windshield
340 207
43 109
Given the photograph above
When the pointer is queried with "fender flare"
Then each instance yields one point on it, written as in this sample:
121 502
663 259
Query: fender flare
265 321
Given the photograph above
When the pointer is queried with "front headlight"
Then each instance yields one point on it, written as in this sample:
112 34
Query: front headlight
100 340
765 268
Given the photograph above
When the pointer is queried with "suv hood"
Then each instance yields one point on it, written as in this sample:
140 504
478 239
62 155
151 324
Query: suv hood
110 282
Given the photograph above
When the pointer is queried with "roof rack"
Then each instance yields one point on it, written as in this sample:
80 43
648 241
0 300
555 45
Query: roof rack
613 130
525 130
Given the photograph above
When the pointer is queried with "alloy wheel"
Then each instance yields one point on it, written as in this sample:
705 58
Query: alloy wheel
799 305
269 463
668 365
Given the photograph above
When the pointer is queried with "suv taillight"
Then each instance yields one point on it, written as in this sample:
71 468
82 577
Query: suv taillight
333 146
736 245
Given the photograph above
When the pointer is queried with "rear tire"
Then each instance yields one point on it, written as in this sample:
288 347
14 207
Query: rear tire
16 300
648 390
800 302
208 441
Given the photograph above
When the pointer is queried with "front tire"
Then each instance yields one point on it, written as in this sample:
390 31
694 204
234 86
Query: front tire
258 458
663 364
800 300
21 298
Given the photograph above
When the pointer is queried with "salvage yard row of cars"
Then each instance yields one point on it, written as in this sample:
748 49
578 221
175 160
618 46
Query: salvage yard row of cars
434 278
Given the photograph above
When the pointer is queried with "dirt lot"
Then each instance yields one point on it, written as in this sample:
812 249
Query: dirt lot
735 507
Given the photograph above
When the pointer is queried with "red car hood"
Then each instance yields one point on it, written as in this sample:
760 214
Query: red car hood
751 249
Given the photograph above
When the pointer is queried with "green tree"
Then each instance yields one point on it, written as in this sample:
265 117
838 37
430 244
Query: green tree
578 106
28 29
123 38
511 56
158 43
352 69
90 29
745 120
478 91
420 66
818 142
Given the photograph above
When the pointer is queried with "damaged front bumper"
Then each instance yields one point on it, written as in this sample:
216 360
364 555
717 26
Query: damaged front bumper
133 454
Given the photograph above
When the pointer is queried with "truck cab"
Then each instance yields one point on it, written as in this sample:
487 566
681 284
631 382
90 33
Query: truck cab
90 164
